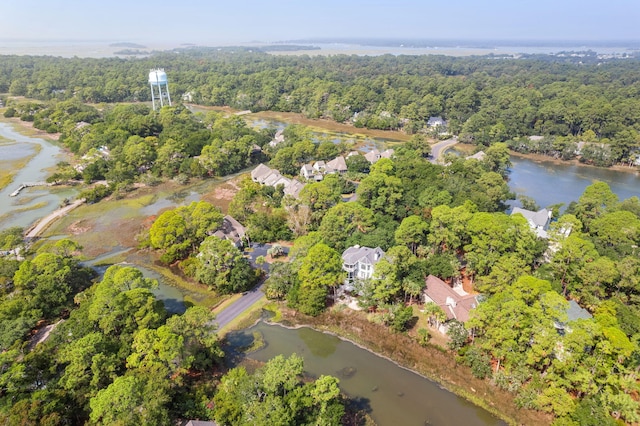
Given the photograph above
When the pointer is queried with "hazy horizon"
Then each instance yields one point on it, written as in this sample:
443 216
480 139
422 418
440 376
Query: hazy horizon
247 21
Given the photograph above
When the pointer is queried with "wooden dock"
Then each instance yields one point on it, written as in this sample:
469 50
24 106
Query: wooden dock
27 185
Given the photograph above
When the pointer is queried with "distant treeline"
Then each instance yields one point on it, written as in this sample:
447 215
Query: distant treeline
484 99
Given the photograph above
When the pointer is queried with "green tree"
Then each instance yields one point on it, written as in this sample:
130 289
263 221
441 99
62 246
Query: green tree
342 221
412 232
222 267
320 270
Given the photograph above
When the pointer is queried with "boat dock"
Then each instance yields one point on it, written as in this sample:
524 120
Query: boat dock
27 185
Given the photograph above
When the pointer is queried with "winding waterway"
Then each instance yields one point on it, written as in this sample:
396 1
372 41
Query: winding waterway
395 396
32 203
391 394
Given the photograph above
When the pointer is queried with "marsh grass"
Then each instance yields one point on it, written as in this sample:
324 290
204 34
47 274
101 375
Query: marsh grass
8 169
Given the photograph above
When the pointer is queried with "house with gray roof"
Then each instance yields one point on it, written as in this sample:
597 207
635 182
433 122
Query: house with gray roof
538 221
477 156
359 262
260 173
387 153
231 230
294 188
338 164
436 122
372 156
277 139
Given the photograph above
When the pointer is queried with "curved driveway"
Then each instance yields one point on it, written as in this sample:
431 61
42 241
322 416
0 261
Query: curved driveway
438 149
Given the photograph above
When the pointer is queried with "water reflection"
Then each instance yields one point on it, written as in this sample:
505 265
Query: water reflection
550 183
394 395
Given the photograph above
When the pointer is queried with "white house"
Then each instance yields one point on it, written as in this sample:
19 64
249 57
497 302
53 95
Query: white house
359 262
277 139
434 122
538 221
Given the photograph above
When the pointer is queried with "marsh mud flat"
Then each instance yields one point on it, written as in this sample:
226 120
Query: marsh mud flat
34 202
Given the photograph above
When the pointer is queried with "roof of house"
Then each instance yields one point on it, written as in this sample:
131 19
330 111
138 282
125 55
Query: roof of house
338 164
200 423
260 172
357 254
387 153
576 312
478 156
319 165
453 304
273 178
230 229
539 219
372 156
293 188
278 138
436 121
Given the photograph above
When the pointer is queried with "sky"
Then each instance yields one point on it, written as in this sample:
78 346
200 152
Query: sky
216 22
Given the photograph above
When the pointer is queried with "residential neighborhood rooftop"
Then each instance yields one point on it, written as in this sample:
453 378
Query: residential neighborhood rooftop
453 304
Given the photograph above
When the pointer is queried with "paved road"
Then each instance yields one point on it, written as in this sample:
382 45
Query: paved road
46 221
248 298
438 149
239 306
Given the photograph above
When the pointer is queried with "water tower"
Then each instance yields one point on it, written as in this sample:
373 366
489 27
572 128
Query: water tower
159 87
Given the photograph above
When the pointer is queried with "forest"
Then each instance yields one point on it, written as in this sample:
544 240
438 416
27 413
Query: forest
120 357
483 99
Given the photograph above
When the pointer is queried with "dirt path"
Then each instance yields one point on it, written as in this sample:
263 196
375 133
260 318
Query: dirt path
47 220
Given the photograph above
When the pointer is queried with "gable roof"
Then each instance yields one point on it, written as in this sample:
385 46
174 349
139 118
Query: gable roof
260 173
539 219
576 312
357 254
387 153
339 164
478 156
273 178
293 188
453 304
372 156
230 229
436 121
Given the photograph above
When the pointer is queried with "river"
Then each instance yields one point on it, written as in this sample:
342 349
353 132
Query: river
391 394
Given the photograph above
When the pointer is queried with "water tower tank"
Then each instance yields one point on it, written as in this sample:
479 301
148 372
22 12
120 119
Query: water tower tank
157 77
159 88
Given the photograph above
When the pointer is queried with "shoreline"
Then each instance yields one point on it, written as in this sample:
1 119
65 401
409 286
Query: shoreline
539 158
452 377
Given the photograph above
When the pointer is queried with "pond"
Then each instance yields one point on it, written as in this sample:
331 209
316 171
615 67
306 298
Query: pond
394 395
549 183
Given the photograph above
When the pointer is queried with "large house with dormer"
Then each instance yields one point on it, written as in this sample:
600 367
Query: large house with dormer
538 221
359 263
